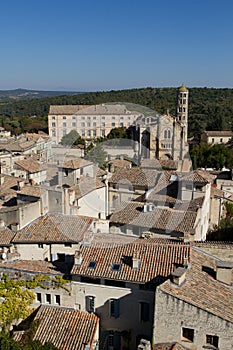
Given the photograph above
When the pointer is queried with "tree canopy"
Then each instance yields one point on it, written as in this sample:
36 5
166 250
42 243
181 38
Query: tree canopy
211 156
97 155
72 138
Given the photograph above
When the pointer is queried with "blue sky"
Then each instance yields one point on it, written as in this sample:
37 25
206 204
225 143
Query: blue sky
87 45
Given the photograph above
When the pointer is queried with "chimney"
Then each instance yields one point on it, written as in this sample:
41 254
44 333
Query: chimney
78 256
178 276
186 262
136 261
150 207
2 223
14 226
1 180
145 208
224 272
20 185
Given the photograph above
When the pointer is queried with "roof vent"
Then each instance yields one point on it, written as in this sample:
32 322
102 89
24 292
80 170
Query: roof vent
225 272
178 276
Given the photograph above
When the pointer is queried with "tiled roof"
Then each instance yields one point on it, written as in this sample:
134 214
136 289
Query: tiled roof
17 146
160 219
104 109
66 109
202 290
35 267
54 228
216 192
6 236
223 133
156 260
120 163
76 163
135 176
195 177
9 186
67 329
85 185
34 191
31 165
218 249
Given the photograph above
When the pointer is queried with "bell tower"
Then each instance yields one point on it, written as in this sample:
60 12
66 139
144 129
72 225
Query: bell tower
182 109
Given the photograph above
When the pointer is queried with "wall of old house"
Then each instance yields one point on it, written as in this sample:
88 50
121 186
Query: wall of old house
172 314
129 308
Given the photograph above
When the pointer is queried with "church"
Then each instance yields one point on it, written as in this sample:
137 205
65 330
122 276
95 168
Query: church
164 136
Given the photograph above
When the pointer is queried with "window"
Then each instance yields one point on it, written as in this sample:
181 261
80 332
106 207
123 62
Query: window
74 125
40 245
48 298
38 297
213 140
184 109
165 134
89 124
89 133
184 101
114 308
221 140
83 125
144 308
94 124
64 117
212 340
53 125
187 334
121 118
121 125
94 118
113 124
103 124
113 118
92 264
74 117
83 133
103 133
53 133
64 125
57 299
53 117
83 118
90 303
64 132
103 117
68 245
88 118
94 133
116 267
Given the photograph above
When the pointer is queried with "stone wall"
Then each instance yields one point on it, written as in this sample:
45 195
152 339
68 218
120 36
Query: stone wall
172 315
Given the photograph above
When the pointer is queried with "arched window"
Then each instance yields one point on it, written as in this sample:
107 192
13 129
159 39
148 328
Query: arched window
169 134
165 134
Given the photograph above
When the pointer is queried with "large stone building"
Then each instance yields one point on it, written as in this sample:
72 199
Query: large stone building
157 136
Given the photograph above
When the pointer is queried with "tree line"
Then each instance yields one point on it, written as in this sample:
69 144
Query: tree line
209 108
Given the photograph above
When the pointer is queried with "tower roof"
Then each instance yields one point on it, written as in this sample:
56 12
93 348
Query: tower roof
183 88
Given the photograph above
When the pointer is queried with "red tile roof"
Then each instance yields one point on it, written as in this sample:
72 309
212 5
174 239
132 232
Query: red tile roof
136 177
6 236
159 219
54 228
76 163
66 329
201 289
156 259
31 165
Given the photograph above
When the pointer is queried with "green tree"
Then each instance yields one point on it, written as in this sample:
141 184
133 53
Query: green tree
72 138
97 155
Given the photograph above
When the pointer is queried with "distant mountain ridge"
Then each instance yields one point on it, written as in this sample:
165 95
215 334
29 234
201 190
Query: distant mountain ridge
19 94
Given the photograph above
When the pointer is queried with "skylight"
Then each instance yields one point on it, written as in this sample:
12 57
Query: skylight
92 264
116 267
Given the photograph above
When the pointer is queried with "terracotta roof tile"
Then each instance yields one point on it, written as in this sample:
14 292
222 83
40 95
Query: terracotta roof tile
31 165
159 219
156 260
67 329
86 185
6 236
54 228
135 176
202 290
76 163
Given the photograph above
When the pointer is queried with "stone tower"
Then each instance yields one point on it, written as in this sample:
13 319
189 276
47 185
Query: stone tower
182 110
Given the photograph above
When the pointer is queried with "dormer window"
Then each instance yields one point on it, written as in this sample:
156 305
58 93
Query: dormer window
116 267
92 264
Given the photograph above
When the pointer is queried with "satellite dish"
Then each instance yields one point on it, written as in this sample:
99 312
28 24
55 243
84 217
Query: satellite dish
4 256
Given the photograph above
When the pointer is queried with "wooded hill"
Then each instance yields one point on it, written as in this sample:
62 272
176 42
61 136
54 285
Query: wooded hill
209 108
